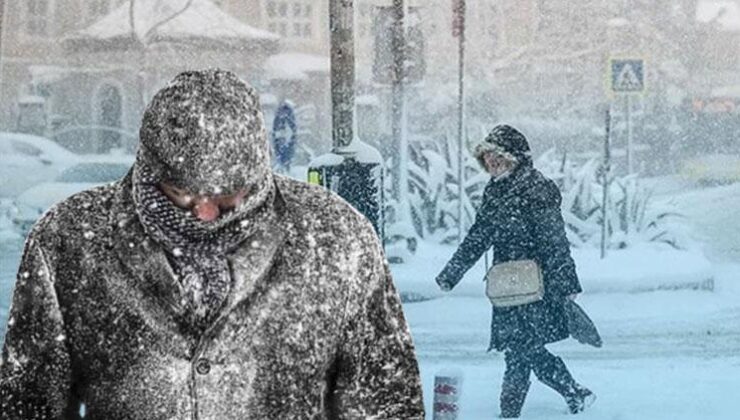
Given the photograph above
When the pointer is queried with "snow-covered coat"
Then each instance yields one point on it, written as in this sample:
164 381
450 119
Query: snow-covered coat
520 218
311 326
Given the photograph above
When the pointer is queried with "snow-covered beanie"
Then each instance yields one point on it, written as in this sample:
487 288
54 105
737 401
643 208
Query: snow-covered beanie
506 141
203 133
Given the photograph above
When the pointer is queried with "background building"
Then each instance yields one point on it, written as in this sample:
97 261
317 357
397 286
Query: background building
69 68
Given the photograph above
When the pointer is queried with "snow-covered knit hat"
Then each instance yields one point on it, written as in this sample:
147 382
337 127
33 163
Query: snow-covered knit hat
204 132
506 141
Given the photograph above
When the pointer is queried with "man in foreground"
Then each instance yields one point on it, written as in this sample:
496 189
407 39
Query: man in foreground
203 286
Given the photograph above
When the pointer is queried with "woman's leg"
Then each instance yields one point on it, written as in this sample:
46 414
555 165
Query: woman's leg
515 385
551 371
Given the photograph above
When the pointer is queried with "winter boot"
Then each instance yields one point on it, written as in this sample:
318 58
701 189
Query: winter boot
579 399
551 371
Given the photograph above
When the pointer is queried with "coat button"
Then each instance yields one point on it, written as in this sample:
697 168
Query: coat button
203 366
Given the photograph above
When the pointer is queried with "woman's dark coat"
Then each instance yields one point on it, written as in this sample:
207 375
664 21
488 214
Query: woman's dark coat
520 218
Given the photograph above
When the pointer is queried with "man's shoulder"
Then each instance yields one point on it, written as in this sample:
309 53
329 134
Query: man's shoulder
85 211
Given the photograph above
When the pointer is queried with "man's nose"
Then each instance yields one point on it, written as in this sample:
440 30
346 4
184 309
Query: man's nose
205 209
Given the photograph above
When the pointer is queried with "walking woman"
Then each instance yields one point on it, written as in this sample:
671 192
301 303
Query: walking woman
520 218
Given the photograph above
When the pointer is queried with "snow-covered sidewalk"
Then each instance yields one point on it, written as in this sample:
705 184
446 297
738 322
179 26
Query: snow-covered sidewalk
666 355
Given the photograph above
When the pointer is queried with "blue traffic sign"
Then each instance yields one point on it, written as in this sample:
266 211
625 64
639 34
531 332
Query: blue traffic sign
627 75
284 134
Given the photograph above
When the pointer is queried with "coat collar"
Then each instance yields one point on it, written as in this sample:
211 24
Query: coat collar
150 271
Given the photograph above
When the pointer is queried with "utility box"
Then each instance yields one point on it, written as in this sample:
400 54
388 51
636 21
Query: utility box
355 174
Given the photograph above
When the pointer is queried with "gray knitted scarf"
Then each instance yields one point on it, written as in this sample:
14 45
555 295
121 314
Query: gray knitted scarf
196 251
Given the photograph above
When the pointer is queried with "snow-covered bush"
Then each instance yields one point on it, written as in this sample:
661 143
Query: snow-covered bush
433 191
632 216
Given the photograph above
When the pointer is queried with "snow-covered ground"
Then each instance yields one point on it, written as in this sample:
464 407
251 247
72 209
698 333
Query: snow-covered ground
667 354
713 212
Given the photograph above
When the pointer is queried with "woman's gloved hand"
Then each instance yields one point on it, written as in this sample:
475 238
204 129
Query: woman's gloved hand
444 283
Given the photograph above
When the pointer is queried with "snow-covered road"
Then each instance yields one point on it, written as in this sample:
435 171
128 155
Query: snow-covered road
666 355
712 212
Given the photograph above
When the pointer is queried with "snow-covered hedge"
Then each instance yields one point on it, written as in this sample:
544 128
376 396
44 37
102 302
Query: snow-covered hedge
632 216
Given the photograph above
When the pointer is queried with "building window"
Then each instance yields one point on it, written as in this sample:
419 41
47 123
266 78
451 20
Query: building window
37 15
291 19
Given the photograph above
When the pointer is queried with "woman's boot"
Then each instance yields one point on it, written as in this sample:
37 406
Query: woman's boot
551 371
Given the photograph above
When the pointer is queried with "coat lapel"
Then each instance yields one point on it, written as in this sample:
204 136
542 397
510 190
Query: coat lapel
144 258
152 273
251 263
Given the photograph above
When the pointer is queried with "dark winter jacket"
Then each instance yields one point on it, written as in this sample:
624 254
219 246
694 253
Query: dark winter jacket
520 218
311 326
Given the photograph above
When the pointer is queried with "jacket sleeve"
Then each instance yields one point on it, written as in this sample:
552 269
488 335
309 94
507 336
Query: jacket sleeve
551 243
376 371
35 372
477 241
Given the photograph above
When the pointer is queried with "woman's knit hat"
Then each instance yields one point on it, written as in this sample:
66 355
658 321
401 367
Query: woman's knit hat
507 141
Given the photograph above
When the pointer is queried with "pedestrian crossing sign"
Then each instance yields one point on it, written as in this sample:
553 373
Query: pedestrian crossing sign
627 75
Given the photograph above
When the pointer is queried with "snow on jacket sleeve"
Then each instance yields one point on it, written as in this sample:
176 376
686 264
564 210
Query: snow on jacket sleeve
377 375
35 373
552 244
477 241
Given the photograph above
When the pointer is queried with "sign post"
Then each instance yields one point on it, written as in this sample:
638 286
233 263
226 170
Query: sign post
458 30
353 169
605 183
627 77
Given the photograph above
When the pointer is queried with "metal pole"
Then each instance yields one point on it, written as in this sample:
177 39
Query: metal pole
628 115
398 103
3 19
341 25
605 184
461 121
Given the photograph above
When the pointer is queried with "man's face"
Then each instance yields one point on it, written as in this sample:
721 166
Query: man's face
497 164
205 207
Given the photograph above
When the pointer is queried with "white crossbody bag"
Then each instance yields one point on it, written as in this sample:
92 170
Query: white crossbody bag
515 283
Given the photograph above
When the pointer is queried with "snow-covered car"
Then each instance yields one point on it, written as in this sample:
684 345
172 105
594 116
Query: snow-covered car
27 160
90 173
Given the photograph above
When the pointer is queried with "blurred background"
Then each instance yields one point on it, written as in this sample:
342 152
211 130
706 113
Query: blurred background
75 76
